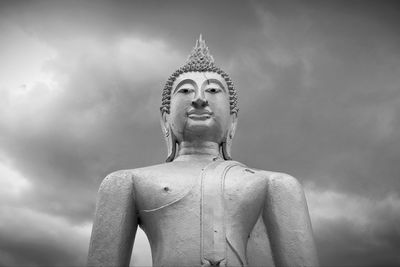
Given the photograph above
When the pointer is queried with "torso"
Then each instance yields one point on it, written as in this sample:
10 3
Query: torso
171 204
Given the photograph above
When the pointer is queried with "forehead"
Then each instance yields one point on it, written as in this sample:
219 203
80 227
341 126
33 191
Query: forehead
199 78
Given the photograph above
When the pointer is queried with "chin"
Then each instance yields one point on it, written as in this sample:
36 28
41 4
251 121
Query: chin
204 128
207 124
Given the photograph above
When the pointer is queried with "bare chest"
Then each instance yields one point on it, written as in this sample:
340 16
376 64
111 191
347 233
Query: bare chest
236 191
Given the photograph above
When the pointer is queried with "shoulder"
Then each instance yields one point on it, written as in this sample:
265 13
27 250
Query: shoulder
284 190
148 170
116 182
280 182
127 178
278 179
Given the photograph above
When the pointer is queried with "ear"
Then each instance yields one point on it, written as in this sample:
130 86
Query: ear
169 136
227 143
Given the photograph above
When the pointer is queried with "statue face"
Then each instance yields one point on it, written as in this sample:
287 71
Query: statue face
199 107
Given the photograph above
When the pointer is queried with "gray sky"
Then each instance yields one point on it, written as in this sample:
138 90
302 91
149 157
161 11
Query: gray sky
319 98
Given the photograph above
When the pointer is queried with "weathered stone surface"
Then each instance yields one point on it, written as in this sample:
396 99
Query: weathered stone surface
201 208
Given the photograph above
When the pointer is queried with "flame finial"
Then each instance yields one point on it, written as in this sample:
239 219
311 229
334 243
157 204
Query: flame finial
200 58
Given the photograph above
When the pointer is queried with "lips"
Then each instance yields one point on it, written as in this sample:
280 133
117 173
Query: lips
197 114
200 117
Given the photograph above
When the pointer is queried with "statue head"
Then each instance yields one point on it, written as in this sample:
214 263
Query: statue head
199 103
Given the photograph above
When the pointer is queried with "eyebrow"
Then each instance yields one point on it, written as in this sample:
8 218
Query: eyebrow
214 81
183 82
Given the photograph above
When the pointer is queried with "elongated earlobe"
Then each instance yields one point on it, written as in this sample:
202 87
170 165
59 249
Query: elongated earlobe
171 144
170 139
227 143
226 150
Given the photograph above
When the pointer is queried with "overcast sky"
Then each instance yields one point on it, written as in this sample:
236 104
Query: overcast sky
319 98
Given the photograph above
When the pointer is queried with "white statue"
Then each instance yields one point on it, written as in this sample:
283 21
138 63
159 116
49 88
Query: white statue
201 208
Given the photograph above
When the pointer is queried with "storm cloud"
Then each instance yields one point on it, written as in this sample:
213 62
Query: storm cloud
80 89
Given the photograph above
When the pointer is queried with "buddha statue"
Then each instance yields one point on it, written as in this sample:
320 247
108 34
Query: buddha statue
201 208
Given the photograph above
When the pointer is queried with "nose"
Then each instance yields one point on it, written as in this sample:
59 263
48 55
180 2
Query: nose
200 101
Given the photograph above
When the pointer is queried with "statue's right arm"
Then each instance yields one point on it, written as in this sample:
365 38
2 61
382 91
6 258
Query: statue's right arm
115 223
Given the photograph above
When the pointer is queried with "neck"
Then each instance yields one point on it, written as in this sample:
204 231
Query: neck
198 150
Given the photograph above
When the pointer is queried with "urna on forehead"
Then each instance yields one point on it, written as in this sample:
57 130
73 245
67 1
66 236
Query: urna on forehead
199 61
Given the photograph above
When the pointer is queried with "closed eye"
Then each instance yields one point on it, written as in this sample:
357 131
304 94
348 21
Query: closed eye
185 90
213 90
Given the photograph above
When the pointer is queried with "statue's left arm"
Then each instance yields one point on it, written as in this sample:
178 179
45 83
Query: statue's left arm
288 222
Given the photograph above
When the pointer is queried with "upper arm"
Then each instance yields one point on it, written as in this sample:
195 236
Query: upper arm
288 222
115 222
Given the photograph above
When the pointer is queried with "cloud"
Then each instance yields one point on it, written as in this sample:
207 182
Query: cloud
324 105
30 238
319 97
354 230
12 185
68 132
21 66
